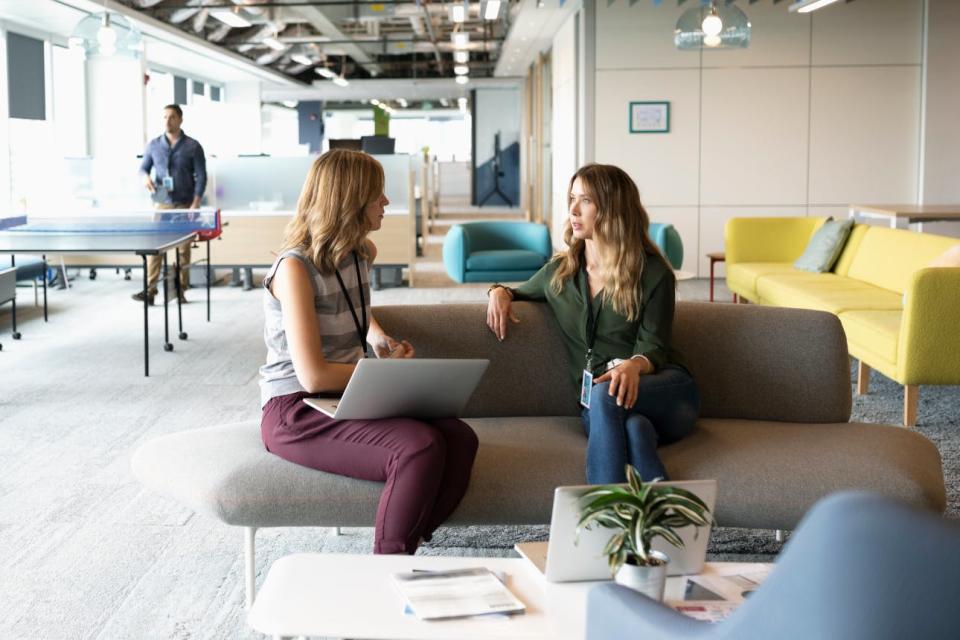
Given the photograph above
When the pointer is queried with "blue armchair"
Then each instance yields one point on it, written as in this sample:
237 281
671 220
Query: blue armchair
859 567
668 239
495 251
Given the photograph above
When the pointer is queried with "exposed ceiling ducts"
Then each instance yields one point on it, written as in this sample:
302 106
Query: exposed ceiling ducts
350 39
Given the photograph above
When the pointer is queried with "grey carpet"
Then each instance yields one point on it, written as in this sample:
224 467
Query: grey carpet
86 552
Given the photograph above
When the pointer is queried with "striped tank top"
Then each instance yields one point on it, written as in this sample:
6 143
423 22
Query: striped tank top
338 332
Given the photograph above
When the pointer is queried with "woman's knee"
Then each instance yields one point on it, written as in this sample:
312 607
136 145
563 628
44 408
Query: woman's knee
416 438
458 434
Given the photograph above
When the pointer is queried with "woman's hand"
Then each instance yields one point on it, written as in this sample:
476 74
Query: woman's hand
498 312
387 347
625 380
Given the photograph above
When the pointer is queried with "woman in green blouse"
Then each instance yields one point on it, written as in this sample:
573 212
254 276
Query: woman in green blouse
613 296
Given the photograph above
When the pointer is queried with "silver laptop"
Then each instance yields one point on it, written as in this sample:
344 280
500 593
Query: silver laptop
404 387
565 558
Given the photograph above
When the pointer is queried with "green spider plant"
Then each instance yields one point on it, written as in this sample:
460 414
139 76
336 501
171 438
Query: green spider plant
638 513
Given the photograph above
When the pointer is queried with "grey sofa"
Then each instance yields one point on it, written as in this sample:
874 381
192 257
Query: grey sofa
774 432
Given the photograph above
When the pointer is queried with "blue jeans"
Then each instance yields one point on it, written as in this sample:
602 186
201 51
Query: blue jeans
666 410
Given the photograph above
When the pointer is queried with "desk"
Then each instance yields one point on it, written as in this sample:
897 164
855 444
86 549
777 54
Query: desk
118 235
906 214
352 596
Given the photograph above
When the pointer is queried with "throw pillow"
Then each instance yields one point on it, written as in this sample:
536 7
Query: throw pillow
825 246
949 258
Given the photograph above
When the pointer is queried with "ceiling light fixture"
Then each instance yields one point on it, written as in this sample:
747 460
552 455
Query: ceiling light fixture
490 9
375 102
231 17
326 73
460 39
302 58
458 12
106 34
461 57
341 82
806 6
273 43
463 79
715 26
403 102
461 70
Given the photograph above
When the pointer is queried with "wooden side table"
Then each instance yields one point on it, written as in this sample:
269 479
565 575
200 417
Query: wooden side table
718 256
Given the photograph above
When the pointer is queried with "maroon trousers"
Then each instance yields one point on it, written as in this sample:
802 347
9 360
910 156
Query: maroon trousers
425 465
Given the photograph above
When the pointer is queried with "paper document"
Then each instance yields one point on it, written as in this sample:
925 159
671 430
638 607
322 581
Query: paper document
435 595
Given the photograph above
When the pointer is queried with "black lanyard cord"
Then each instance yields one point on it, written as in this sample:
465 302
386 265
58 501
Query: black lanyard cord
592 321
361 328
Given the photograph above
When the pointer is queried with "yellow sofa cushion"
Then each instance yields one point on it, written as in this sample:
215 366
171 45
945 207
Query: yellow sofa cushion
742 277
888 257
825 292
874 331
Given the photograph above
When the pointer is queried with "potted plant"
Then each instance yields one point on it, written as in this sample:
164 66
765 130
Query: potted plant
637 514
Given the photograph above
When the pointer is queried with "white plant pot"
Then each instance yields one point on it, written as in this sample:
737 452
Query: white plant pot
649 581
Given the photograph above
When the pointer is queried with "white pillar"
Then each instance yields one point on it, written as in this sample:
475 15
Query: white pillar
243 104
116 107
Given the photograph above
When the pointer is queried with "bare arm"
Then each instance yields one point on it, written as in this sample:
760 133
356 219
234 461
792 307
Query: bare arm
291 286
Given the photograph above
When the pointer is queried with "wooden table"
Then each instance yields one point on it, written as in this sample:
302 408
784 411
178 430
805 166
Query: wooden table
903 215
715 257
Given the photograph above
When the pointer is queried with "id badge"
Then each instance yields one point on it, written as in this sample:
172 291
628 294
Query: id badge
586 386
168 183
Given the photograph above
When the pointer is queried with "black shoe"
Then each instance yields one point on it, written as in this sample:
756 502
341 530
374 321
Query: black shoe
151 295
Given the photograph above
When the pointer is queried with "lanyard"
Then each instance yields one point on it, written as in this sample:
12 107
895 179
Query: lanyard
171 148
592 321
361 328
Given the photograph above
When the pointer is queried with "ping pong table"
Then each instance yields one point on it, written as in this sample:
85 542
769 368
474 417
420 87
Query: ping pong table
143 234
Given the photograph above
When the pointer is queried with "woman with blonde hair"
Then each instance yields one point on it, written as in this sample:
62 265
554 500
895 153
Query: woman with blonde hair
613 295
318 325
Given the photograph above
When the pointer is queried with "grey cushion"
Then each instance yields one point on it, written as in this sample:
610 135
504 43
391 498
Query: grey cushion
769 473
825 246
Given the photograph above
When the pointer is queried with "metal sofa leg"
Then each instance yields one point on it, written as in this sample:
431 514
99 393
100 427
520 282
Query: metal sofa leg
911 402
250 564
336 531
778 535
863 378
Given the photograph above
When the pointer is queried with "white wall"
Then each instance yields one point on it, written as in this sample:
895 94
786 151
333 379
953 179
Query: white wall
564 132
941 157
821 110
115 107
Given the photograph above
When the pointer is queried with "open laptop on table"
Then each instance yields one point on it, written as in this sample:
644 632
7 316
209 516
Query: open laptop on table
565 558
407 387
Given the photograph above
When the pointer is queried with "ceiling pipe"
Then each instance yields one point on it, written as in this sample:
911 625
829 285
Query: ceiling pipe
441 66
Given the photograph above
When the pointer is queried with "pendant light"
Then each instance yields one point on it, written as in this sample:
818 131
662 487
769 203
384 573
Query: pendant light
712 26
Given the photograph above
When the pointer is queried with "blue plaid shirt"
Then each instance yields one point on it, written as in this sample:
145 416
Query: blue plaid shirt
184 161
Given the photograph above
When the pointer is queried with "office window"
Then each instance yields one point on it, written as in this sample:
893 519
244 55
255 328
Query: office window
69 102
27 89
179 90
214 93
198 88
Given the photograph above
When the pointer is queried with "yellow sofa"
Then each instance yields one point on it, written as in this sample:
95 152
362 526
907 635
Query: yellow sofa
901 317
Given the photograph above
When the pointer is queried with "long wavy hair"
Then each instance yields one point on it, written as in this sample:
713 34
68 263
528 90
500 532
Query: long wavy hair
330 221
621 231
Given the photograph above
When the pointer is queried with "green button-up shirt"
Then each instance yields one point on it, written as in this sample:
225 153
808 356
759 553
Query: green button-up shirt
617 337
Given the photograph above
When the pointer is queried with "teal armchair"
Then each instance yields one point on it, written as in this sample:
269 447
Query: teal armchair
495 251
668 239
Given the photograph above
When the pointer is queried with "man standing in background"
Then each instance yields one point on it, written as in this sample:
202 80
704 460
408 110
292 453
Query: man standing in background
180 178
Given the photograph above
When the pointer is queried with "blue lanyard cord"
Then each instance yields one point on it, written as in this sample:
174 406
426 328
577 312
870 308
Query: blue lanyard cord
361 328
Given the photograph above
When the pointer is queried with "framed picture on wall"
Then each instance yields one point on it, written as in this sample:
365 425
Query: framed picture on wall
649 117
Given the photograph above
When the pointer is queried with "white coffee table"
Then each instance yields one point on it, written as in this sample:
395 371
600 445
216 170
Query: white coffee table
351 596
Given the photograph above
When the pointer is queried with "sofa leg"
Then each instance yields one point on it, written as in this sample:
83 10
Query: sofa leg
778 535
250 564
911 400
336 531
863 378
736 299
